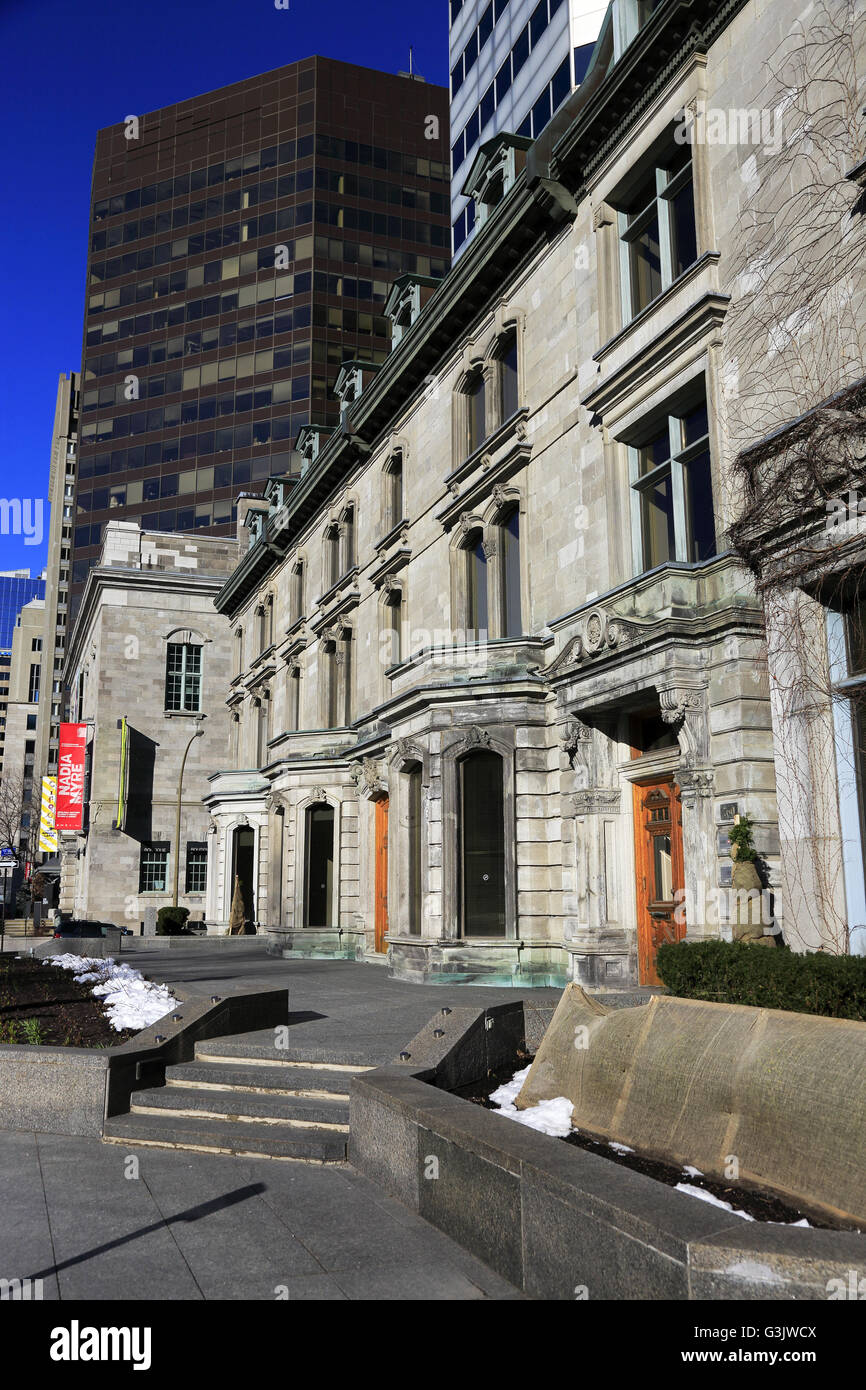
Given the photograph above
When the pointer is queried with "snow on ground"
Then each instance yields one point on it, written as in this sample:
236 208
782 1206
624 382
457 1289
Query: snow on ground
130 1000
708 1197
548 1116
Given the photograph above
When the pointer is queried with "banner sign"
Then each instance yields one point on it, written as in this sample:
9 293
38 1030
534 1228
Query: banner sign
70 777
123 779
48 842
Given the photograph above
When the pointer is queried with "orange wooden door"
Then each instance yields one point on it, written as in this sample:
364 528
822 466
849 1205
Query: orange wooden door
381 872
659 869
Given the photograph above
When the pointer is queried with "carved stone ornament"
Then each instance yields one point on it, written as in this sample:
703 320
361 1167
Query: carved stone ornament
598 634
475 737
367 777
275 804
489 548
318 794
597 801
405 748
498 494
521 433
677 703
695 782
576 738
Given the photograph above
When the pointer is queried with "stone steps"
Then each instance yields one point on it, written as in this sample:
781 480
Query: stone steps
241 1096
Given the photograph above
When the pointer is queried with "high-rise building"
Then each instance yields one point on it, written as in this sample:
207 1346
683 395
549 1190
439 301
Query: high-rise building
513 63
61 497
16 588
242 246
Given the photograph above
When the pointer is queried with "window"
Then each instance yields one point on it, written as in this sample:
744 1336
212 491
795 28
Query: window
33 684
319 876
657 231
36 644
239 651
476 588
183 677
344 661
476 403
394 614
329 687
508 376
511 625
31 721
293 697
263 728
672 490
348 539
332 557
298 592
196 866
394 491
153 869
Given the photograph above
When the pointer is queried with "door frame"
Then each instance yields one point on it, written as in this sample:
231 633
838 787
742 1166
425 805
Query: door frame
381 818
643 868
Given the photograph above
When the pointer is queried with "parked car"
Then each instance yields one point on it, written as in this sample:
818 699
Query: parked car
84 928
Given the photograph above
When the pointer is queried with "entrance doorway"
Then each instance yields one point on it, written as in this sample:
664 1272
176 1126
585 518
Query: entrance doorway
658 821
381 889
482 847
243 860
319 879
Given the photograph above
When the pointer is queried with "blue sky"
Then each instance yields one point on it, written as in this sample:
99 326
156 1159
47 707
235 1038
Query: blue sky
70 69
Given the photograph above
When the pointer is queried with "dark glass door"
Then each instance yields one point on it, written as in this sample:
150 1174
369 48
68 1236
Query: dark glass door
482 865
320 866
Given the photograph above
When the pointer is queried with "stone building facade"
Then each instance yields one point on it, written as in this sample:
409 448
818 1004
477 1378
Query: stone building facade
147 667
500 681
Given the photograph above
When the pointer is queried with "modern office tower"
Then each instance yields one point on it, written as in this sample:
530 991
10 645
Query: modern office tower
513 63
16 589
242 245
22 703
61 493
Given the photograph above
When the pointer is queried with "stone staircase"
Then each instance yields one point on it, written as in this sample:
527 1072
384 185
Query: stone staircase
238 1096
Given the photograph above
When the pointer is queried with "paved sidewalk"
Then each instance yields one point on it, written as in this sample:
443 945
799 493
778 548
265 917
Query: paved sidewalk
346 1008
192 1226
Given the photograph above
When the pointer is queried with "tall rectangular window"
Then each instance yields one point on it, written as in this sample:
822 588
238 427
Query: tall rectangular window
395 491
293 698
183 677
153 868
196 866
33 684
415 821
657 229
476 590
477 431
672 488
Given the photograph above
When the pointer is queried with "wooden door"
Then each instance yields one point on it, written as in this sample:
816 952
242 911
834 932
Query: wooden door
659 870
381 872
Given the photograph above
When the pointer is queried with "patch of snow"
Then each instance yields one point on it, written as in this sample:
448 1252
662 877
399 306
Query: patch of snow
548 1116
619 1148
692 1172
751 1269
130 1000
708 1197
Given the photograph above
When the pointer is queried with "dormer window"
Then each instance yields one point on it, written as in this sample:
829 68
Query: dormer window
407 297
494 172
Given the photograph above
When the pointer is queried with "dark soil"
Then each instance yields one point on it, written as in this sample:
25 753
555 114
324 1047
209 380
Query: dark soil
67 1014
761 1205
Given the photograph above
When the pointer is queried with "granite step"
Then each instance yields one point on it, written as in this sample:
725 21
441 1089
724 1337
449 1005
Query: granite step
256 1108
163 1130
260 1048
234 1074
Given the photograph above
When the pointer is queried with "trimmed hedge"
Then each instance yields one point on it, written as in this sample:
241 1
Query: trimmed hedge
170 921
731 972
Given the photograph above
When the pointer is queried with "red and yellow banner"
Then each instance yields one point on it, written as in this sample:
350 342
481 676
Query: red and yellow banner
69 814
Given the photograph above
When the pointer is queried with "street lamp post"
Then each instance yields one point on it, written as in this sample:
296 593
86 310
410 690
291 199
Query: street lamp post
198 733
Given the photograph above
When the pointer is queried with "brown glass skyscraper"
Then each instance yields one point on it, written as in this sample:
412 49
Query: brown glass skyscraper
241 248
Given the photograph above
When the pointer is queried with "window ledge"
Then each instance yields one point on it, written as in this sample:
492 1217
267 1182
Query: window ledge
691 272
488 446
184 714
391 537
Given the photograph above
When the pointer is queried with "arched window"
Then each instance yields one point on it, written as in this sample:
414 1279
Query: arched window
183 677
298 592
332 556
348 539
475 412
329 678
508 394
293 697
482 844
512 624
394 501
476 588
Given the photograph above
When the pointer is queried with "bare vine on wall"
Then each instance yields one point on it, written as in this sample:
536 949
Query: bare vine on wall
795 368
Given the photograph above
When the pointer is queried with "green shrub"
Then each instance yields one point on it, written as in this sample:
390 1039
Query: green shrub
742 834
731 972
170 921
